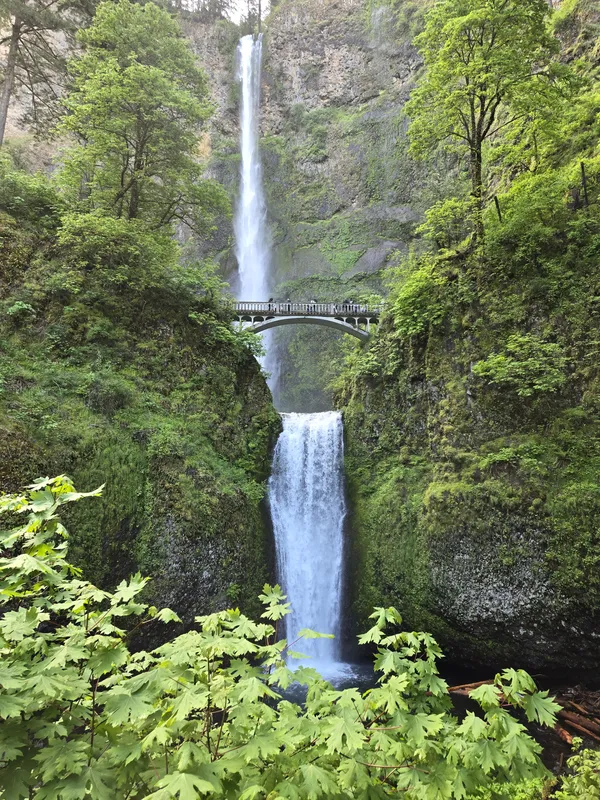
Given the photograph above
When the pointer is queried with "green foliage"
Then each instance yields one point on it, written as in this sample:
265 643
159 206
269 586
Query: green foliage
482 58
527 790
310 124
583 779
119 252
20 310
449 222
118 362
528 366
418 297
30 198
82 716
136 107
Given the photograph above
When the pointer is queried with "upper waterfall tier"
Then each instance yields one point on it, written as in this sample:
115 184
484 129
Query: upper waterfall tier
251 233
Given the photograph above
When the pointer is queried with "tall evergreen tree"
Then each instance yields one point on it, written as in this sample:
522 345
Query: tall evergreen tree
138 103
37 33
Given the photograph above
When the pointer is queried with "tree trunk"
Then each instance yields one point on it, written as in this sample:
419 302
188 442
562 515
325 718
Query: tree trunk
9 75
477 187
134 200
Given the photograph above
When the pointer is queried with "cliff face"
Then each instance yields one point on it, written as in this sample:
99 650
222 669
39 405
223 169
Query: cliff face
119 368
472 422
343 195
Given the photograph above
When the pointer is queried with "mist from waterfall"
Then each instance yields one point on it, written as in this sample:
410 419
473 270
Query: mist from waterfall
252 235
308 511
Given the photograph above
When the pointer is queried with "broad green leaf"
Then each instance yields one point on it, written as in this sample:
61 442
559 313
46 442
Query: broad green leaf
306 633
106 659
252 792
166 615
185 786
259 746
121 706
541 708
62 757
318 782
473 727
11 706
344 735
488 695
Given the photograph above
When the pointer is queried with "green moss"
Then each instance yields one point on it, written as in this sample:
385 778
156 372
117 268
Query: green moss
507 505
136 379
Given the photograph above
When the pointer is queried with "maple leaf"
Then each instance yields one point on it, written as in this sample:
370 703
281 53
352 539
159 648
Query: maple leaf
541 708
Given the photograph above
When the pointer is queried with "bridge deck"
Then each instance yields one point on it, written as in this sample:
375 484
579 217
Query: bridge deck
287 309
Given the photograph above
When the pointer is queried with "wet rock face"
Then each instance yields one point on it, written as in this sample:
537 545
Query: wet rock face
482 590
494 560
336 78
215 43
343 195
332 54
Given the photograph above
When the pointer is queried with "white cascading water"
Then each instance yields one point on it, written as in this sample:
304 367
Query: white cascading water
308 510
306 488
252 236
251 233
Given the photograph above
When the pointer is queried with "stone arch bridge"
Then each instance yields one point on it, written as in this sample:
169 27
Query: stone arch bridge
355 319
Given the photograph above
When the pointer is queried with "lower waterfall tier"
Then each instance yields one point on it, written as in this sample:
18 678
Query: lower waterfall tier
308 510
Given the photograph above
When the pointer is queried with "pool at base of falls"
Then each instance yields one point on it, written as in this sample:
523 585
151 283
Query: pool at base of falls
340 674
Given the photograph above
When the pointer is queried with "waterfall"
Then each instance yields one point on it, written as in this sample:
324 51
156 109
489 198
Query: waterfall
308 509
306 488
252 236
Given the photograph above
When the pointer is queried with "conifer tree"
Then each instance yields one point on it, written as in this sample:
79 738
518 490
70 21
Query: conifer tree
138 104
37 33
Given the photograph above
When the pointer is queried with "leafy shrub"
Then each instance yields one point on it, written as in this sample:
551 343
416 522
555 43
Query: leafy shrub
30 198
83 717
527 790
120 252
529 366
449 222
584 780
418 300
20 310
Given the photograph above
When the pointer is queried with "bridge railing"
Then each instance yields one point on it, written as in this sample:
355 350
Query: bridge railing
307 309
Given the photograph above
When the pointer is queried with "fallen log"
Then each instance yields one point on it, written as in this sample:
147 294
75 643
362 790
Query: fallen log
584 731
576 706
459 692
469 686
585 722
563 734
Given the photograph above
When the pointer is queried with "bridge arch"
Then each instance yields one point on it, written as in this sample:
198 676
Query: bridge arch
330 322
355 319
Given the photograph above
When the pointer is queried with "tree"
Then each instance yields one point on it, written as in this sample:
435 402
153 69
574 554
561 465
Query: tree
209 10
487 65
37 32
81 716
137 106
